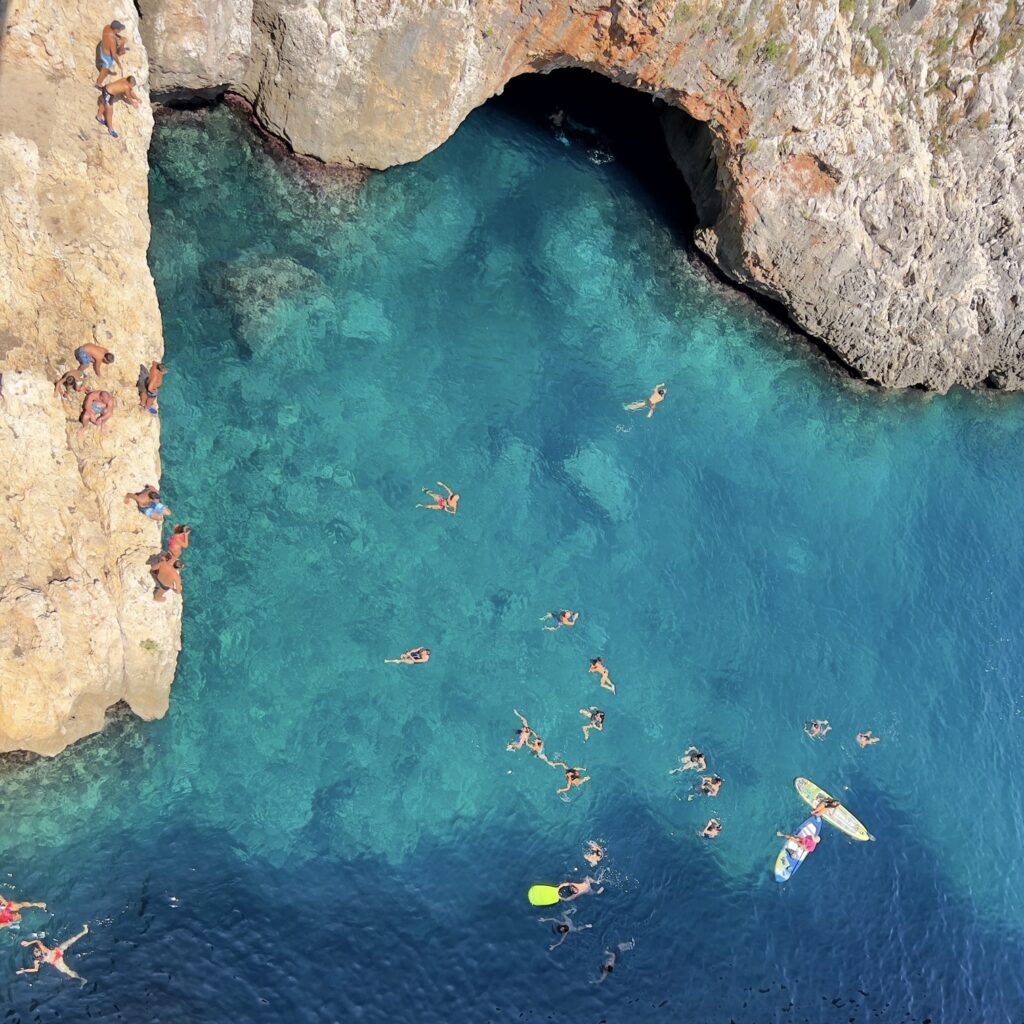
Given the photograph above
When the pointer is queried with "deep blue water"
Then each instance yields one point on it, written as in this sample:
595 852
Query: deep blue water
311 835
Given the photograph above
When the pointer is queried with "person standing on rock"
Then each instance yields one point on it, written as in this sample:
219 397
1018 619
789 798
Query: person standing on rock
148 394
109 95
110 50
149 504
97 408
92 355
167 574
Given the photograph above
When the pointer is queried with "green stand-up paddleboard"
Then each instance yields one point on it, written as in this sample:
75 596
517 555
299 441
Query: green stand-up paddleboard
543 895
839 817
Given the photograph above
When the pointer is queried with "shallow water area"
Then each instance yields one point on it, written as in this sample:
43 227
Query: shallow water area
312 835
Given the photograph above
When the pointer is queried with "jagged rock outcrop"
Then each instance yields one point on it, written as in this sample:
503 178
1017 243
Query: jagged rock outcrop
79 630
865 157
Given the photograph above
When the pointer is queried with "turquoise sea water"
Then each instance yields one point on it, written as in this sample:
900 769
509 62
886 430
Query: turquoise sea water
314 836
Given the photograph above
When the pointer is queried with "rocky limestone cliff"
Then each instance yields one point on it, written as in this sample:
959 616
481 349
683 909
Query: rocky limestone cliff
79 630
857 160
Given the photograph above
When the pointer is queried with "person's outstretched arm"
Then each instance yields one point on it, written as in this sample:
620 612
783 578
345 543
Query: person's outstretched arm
74 938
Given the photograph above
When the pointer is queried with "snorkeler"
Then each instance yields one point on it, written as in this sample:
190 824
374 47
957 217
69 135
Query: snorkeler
710 785
865 739
43 954
527 737
417 656
594 853
597 665
10 912
657 397
611 958
441 504
712 829
564 926
561 619
692 759
572 776
816 729
584 888
596 721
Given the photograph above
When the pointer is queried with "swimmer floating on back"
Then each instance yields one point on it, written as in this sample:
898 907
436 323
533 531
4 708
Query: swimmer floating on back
692 759
597 665
611 958
865 739
449 504
564 927
561 619
10 912
573 776
417 656
816 729
657 397
54 957
596 721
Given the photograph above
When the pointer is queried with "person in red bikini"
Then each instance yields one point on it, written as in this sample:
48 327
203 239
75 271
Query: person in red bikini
10 913
441 504
178 540
43 954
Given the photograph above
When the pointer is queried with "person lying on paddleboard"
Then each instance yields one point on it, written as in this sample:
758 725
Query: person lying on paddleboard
566 618
808 843
564 926
584 888
817 730
417 656
823 806
693 759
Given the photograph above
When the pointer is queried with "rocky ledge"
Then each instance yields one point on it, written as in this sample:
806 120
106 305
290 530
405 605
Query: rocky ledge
79 629
857 161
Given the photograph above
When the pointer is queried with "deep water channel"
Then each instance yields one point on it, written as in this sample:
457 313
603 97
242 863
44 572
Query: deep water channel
312 835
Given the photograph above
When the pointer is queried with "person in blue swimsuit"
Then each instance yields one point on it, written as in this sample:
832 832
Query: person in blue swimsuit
149 504
109 51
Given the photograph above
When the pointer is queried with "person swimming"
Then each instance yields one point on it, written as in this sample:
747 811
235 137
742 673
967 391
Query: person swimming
43 954
596 721
597 665
10 912
865 739
573 776
693 759
417 656
611 959
566 618
593 854
816 729
564 926
712 829
710 785
448 504
527 737
584 888
652 403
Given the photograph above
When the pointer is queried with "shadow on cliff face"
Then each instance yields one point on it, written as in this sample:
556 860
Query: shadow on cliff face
614 122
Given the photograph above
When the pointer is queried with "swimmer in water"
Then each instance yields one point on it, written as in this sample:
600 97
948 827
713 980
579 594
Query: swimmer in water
10 912
711 829
596 721
710 785
693 759
594 853
865 739
43 954
527 737
449 504
572 776
611 958
564 926
417 656
597 665
817 730
567 619
823 806
584 888
652 403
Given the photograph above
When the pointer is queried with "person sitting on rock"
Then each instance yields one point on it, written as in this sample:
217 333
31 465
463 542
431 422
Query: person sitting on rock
149 504
149 389
110 50
167 574
97 409
109 95
66 387
92 355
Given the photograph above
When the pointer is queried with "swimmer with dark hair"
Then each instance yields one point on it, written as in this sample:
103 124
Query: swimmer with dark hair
595 721
865 739
573 776
712 829
10 912
611 958
564 927
566 618
693 760
710 785
527 737
449 504
652 403
817 729
43 955
417 656
597 665
594 853
584 888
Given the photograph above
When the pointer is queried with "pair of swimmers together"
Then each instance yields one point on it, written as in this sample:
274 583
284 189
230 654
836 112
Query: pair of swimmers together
43 955
527 737
818 729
